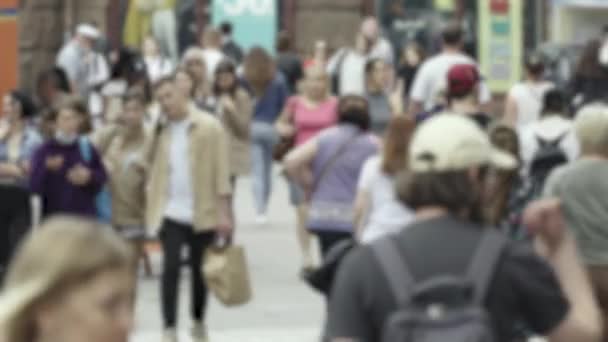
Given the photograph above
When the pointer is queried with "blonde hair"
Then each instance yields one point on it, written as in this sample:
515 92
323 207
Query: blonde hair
591 125
65 252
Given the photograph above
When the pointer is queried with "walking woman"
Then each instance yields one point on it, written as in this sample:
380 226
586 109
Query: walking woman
67 171
270 93
378 210
81 289
328 168
234 109
302 119
18 141
194 62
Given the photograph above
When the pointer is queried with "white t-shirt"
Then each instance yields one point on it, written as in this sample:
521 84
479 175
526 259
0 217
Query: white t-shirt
213 57
383 49
158 67
529 99
548 129
432 78
351 73
180 206
386 214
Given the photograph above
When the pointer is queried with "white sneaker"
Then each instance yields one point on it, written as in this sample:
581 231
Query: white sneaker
261 220
170 335
199 332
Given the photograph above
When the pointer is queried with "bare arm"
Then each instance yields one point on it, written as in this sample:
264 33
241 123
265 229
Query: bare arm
298 162
283 124
361 211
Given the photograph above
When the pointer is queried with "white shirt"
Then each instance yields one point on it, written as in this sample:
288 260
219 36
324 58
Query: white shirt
158 67
213 57
386 214
431 79
180 205
351 73
548 129
528 97
383 49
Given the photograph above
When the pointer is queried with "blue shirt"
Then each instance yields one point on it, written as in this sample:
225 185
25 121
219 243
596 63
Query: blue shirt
30 141
268 107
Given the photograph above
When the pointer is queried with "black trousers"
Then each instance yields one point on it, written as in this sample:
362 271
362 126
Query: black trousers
174 236
328 239
15 222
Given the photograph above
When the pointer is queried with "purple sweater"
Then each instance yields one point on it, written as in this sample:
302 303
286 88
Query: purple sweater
59 196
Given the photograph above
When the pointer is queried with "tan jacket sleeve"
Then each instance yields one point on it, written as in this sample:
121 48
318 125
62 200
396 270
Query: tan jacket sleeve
222 161
239 122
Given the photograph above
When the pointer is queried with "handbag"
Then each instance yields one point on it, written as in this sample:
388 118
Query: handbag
283 147
227 275
103 200
322 278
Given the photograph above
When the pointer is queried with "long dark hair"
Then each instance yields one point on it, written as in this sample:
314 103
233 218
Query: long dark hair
396 144
259 69
226 66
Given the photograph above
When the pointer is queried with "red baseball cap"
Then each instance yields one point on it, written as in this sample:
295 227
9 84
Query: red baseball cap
462 78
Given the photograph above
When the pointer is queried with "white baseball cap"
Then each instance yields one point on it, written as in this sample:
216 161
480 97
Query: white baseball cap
453 142
88 31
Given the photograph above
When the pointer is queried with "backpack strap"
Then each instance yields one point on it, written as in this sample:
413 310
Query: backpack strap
551 143
484 263
394 267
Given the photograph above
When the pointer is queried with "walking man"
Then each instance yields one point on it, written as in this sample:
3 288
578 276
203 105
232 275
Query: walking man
188 198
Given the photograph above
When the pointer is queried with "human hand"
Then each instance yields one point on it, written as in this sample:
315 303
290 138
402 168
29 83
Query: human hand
54 163
545 219
79 175
225 228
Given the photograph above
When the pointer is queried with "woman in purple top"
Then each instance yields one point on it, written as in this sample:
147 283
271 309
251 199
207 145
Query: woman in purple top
328 168
63 175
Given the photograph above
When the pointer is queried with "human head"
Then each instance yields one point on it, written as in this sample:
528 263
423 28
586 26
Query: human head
505 138
173 102
134 108
211 39
17 106
226 29
535 67
70 118
283 42
413 54
194 61
370 29
50 84
185 82
150 47
225 78
554 103
87 35
375 74
462 81
396 143
82 289
591 127
259 69
452 35
316 82
354 110
447 160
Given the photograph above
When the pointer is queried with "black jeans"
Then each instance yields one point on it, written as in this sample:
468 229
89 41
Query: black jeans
15 222
328 239
174 236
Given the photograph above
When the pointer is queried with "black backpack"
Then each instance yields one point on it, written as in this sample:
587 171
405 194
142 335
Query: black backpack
445 307
548 157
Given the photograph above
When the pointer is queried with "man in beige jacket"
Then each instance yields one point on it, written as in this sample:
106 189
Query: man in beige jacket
187 197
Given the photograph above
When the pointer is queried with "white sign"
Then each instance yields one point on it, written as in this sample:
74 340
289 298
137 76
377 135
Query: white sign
248 7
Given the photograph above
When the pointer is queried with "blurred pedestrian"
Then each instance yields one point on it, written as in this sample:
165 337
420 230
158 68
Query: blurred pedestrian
554 128
379 47
288 62
382 104
328 168
302 119
525 99
412 57
270 93
230 48
347 68
378 211
82 288
590 81
67 171
18 141
211 42
234 109
583 191
444 185
124 157
187 84
431 77
52 86
157 65
194 62
188 199
463 82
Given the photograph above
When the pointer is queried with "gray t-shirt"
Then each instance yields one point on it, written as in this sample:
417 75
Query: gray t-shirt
380 111
583 189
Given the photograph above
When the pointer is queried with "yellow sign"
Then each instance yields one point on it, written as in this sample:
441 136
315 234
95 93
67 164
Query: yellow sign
444 5
501 43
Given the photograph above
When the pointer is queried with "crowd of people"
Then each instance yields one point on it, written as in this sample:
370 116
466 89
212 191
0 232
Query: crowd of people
383 148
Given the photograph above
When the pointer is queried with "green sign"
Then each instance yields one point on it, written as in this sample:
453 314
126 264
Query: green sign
254 21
